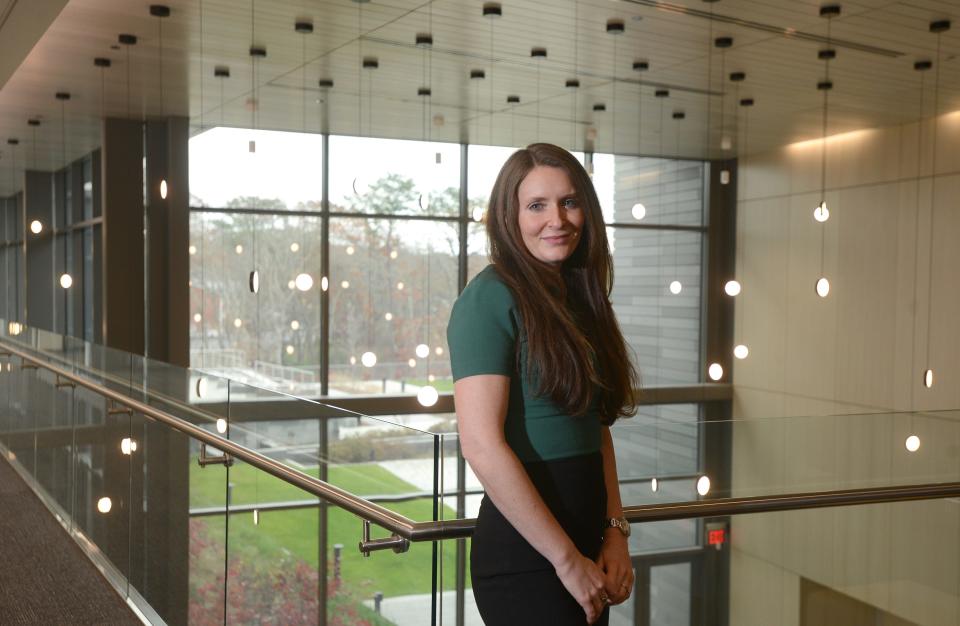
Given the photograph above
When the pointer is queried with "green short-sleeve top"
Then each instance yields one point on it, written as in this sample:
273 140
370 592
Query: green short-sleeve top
483 334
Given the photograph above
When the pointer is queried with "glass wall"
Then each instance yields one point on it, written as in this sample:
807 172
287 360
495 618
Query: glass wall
50 239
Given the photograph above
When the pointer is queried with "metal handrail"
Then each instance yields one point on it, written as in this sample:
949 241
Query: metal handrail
406 530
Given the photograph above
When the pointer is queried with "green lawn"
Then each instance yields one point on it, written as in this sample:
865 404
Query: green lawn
443 386
295 533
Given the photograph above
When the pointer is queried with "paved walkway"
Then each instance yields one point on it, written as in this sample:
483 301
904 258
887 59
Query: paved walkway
419 472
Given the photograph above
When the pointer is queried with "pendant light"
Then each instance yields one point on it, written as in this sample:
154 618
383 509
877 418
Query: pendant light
427 395
675 285
36 226
66 281
639 211
160 12
732 287
492 11
615 27
256 54
303 27
741 350
937 27
13 142
821 213
921 67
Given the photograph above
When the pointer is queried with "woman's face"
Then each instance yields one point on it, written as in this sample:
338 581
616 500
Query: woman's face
550 215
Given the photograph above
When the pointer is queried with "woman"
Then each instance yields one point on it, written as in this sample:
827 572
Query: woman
541 371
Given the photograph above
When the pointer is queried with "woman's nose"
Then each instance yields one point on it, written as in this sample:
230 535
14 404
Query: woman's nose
557 215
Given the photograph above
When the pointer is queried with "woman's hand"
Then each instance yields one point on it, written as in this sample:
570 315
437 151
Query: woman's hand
614 561
585 582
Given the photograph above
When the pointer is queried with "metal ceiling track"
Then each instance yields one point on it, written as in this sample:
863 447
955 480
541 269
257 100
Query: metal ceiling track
789 33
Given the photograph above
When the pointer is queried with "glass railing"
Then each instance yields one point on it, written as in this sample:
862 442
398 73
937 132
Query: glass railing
191 538
129 453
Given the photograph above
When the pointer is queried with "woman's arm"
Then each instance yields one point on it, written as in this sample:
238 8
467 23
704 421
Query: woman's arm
481 403
614 557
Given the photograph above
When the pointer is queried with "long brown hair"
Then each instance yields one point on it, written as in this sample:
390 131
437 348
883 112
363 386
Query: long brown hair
574 345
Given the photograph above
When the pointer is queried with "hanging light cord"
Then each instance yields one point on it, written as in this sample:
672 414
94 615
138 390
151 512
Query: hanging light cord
723 94
254 114
201 66
823 144
613 116
360 69
128 80
430 74
160 61
537 138
576 73
490 134
743 217
709 84
933 193
916 230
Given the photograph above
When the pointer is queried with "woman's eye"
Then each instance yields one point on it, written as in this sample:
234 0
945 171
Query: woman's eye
536 206
570 203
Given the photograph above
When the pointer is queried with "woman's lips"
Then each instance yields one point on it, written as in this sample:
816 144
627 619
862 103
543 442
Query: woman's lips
555 239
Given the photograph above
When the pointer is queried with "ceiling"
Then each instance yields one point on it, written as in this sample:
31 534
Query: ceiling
775 43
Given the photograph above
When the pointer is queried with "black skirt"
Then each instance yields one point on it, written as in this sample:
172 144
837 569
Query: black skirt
515 584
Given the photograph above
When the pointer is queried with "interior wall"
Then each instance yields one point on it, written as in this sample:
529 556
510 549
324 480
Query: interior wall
857 357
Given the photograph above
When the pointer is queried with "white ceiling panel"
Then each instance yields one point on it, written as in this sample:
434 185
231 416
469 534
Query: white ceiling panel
775 44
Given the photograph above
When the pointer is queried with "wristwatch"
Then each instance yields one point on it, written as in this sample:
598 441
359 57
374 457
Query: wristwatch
620 523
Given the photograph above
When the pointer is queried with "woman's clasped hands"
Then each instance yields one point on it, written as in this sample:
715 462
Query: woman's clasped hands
614 561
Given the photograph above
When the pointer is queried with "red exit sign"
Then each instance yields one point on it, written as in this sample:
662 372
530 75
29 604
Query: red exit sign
717 537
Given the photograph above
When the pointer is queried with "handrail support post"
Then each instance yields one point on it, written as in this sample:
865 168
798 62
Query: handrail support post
394 542
204 460
61 383
114 409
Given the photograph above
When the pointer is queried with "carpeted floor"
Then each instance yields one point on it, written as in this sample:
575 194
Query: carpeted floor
44 576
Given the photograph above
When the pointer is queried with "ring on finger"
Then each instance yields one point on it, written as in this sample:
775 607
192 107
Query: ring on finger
604 598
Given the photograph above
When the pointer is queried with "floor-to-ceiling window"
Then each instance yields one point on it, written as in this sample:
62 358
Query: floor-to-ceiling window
375 249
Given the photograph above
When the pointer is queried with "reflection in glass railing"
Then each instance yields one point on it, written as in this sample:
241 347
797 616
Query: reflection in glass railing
193 533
